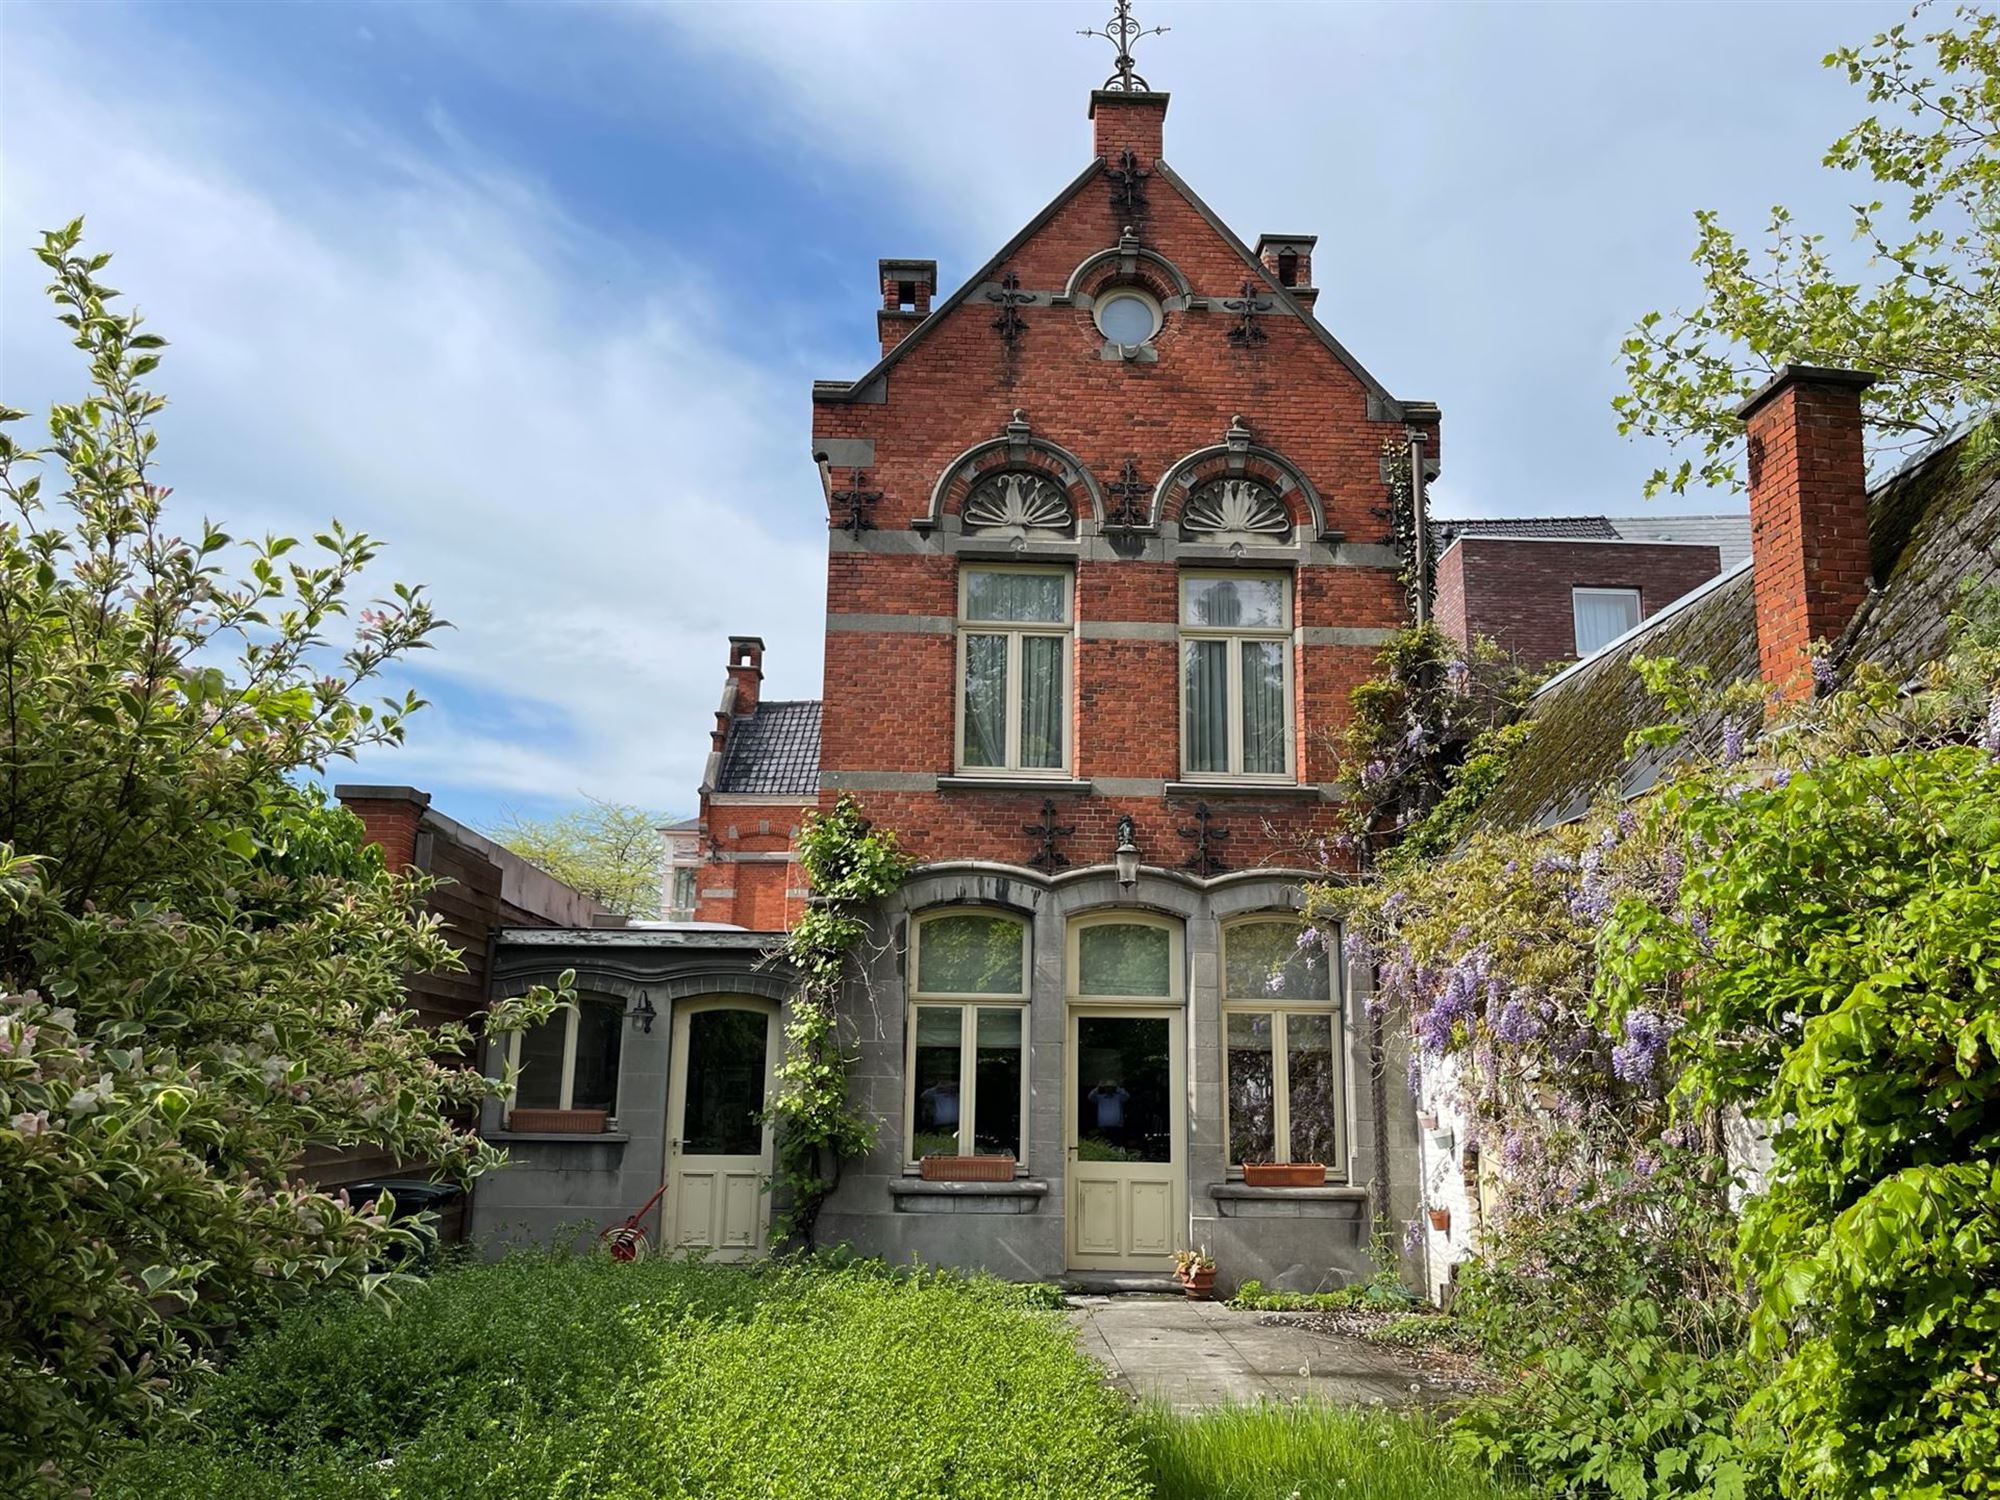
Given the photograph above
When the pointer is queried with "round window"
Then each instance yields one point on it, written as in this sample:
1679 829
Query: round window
1127 317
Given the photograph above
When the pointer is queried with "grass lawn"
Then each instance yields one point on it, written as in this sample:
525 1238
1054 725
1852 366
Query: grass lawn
571 1378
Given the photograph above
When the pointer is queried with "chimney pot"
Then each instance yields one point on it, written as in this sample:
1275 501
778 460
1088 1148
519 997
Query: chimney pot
746 672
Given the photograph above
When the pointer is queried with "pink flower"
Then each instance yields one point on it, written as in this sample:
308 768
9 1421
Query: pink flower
31 1124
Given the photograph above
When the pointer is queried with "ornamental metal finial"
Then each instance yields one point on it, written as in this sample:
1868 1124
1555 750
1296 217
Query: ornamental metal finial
1122 30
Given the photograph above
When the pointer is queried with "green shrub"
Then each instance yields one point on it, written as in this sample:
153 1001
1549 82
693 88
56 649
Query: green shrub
1305 1451
1379 1292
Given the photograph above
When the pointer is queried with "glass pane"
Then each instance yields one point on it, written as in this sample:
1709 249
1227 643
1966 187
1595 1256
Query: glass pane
1315 1103
971 954
1602 615
1042 701
996 1084
1206 669
1265 960
986 700
539 1084
725 1083
600 1028
1233 603
1030 598
1124 958
1124 1085
1252 1092
1264 708
684 893
936 1081
1125 320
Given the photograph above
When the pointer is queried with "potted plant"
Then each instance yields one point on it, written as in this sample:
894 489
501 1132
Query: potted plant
1428 1119
1195 1271
559 1121
1284 1174
967 1168
1441 1220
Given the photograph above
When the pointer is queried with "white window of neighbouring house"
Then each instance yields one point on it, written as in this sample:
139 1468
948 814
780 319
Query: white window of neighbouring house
1281 1039
1013 670
1602 615
681 894
968 1080
570 1061
1236 675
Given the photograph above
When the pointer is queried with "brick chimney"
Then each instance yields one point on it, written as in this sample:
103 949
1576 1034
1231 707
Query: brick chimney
1124 122
907 289
1289 259
1808 514
746 672
392 816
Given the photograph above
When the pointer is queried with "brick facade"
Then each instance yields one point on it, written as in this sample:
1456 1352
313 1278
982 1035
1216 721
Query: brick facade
1517 591
762 777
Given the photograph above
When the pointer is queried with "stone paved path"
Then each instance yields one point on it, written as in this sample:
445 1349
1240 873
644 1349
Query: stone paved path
1200 1354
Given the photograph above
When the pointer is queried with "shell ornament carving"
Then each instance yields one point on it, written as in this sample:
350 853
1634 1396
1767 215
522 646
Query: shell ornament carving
1236 510
1018 505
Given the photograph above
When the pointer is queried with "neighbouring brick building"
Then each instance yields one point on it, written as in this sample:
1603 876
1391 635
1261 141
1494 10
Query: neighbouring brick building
1554 588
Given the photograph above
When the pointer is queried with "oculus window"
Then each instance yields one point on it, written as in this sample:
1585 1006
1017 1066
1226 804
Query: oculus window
1281 1045
1127 316
1013 670
1236 675
968 1089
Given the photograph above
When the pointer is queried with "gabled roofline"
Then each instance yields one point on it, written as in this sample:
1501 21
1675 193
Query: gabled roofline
1652 622
842 392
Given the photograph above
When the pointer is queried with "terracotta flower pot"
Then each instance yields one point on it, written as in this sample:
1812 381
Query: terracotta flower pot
967 1168
1284 1174
1441 1220
559 1121
1428 1121
1199 1285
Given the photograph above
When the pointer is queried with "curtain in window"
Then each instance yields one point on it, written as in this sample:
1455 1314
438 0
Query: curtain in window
1042 701
986 700
1206 664
1603 616
1024 598
1263 708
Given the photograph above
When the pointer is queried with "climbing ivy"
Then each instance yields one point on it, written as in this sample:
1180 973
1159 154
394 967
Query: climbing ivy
849 864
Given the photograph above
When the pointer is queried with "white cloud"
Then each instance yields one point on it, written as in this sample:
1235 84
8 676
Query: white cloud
595 487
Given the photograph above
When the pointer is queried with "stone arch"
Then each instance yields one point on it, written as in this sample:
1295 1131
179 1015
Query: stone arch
1019 450
1237 457
1129 263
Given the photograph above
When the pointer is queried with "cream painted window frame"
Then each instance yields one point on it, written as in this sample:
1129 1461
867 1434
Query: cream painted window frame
1176 931
572 1017
1637 597
1278 1010
969 1006
1014 630
1281 634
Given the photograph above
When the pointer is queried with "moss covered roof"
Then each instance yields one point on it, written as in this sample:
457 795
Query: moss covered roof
1932 525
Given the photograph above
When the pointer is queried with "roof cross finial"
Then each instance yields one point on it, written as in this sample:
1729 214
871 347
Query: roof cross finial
1122 30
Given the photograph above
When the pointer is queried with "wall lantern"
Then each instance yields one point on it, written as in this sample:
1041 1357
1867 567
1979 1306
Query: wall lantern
644 1013
1127 853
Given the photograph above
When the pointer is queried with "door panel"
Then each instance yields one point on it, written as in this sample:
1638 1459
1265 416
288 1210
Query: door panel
718 1149
1127 1126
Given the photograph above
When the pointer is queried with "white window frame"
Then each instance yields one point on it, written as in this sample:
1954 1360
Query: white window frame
573 1016
1602 592
674 874
968 1006
1176 958
1281 633
1139 294
1014 630
1279 1009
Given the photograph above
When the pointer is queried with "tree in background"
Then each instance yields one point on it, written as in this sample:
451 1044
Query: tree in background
611 851
1923 308
201 967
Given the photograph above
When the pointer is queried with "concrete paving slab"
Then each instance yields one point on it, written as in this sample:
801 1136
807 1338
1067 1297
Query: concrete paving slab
1194 1355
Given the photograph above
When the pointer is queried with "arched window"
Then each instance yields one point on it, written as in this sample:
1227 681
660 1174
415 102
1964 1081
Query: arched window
968 1082
569 1061
1282 1044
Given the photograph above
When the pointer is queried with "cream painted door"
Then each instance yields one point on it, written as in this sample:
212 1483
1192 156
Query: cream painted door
1127 1132
718 1148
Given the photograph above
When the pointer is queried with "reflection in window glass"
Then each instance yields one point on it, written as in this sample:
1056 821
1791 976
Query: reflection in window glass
936 1080
725 1083
1124 1082
986 700
1264 960
1124 958
1311 1094
1263 708
599 1031
539 1084
1252 1085
1233 603
970 954
996 1064
1016 598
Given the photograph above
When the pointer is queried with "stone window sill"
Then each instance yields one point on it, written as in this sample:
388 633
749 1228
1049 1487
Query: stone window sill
912 1195
1014 784
1204 790
1233 1200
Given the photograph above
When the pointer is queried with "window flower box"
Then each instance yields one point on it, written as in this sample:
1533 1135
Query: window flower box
558 1121
966 1168
1284 1174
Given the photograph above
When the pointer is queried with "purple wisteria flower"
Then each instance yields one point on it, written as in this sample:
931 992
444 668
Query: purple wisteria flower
1823 673
1732 742
1457 675
1413 1233
1673 870
1517 1024
1639 1058
1375 773
1989 739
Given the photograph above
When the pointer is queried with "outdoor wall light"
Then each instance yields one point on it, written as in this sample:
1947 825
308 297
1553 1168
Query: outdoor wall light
1127 853
644 1013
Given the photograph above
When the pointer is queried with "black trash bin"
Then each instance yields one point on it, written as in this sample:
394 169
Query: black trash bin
437 1202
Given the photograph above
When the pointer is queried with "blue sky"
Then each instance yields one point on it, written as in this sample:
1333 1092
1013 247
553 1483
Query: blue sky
536 292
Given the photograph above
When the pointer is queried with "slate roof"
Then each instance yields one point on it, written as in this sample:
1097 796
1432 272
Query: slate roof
773 752
1932 525
1728 533
1523 528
